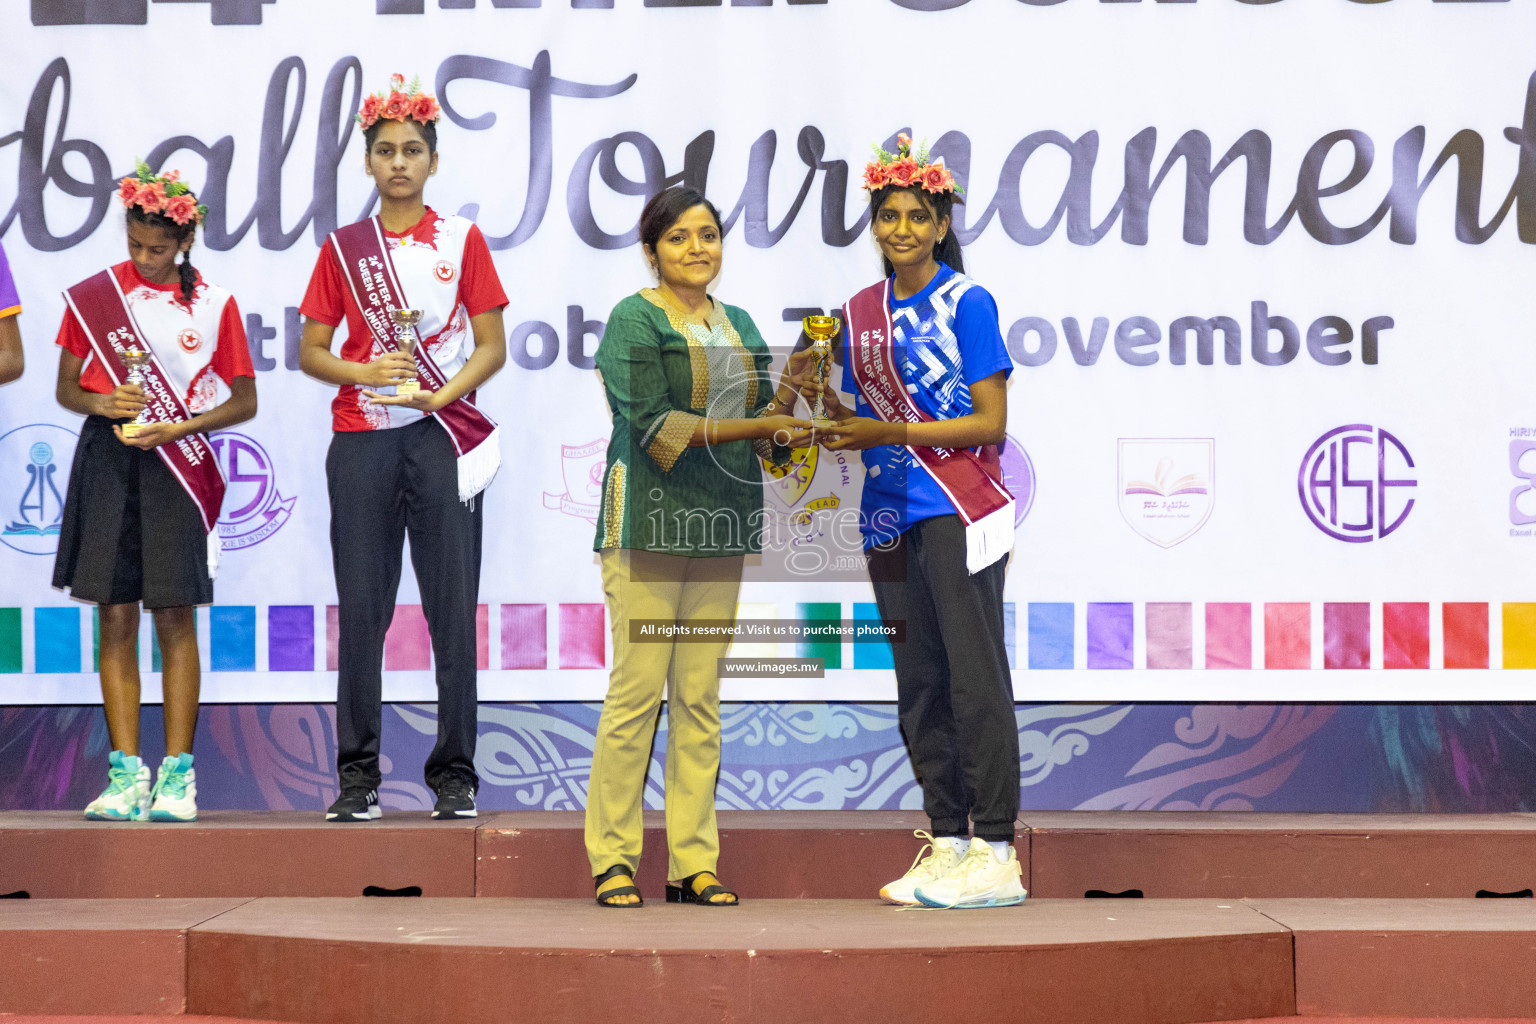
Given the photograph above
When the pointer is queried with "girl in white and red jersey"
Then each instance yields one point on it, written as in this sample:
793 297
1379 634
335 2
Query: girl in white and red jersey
410 453
155 358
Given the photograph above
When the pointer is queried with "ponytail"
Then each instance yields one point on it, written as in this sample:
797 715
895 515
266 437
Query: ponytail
189 276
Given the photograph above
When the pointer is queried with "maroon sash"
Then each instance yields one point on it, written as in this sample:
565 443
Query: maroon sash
972 479
98 303
376 288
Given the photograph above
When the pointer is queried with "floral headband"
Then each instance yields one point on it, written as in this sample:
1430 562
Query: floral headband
904 170
166 195
398 103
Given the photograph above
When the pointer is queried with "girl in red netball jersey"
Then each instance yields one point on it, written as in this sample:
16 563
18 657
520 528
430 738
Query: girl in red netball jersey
155 358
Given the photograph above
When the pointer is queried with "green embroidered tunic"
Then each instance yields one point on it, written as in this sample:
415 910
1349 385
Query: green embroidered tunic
661 374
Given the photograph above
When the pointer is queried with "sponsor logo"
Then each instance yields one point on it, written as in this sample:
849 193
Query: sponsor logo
444 271
1167 486
581 467
1357 483
1019 478
190 340
254 509
34 474
1522 465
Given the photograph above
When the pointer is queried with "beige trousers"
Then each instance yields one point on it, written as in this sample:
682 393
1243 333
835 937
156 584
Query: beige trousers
651 585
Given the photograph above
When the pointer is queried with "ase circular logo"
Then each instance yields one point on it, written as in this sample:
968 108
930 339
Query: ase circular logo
1357 483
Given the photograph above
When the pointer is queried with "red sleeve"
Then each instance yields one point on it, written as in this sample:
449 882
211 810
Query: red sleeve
72 336
232 357
480 287
325 301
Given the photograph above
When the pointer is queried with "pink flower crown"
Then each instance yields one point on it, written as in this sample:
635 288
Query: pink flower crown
398 103
166 195
903 170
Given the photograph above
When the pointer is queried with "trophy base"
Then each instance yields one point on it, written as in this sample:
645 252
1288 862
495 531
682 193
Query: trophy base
821 423
131 429
408 387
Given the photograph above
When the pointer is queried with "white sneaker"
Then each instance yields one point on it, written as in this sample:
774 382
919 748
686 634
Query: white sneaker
979 880
126 797
175 793
933 861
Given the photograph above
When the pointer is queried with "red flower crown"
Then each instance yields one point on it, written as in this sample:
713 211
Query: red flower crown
904 170
398 103
166 195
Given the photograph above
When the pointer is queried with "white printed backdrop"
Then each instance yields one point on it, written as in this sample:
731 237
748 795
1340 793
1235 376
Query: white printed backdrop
1060 118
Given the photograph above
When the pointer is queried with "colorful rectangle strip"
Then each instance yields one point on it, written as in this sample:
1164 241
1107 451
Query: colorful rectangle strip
1111 634
1170 635
1346 634
1520 635
581 636
482 637
1051 635
871 655
818 613
524 636
290 638
1466 633
407 645
1011 632
1229 635
1405 634
232 638
56 639
1287 635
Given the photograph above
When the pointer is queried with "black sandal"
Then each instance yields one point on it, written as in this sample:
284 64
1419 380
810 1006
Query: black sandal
683 892
604 896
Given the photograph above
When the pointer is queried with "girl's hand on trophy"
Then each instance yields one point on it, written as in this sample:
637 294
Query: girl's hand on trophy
150 435
387 370
421 400
856 433
125 402
799 370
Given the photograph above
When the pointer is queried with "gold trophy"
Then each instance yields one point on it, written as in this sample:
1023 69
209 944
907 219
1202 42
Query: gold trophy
821 330
136 359
405 320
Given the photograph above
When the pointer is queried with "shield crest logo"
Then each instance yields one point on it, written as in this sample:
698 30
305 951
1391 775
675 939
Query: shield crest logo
790 482
581 470
1167 486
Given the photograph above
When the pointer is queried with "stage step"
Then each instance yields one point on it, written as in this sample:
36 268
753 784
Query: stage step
770 854
98 956
1203 853
767 960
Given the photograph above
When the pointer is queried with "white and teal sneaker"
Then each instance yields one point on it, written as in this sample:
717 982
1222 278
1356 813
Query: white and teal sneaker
175 796
126 797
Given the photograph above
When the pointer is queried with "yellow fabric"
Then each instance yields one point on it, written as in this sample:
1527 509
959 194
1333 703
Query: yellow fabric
653 585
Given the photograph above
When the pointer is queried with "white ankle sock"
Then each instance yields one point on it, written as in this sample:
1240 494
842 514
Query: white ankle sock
1000 850
957 843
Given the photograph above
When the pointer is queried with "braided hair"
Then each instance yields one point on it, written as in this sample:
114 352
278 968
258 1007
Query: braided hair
181 233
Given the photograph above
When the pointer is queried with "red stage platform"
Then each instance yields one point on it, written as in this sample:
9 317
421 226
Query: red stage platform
290 939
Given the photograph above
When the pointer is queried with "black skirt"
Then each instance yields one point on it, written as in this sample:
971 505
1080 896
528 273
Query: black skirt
130 531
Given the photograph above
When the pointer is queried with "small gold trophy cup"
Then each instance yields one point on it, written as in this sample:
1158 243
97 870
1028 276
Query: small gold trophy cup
821 330
136 359
405 337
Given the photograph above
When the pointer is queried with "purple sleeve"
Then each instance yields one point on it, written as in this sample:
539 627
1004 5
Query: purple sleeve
10 302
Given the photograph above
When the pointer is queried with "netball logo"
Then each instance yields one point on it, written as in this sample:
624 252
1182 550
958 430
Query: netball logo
253 508
34 474
444 271
190 340
1355 483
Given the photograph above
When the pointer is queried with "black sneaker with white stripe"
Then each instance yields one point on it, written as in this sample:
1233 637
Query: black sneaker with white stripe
455 796
356 803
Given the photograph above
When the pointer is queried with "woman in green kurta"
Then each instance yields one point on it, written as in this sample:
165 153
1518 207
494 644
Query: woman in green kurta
694 408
